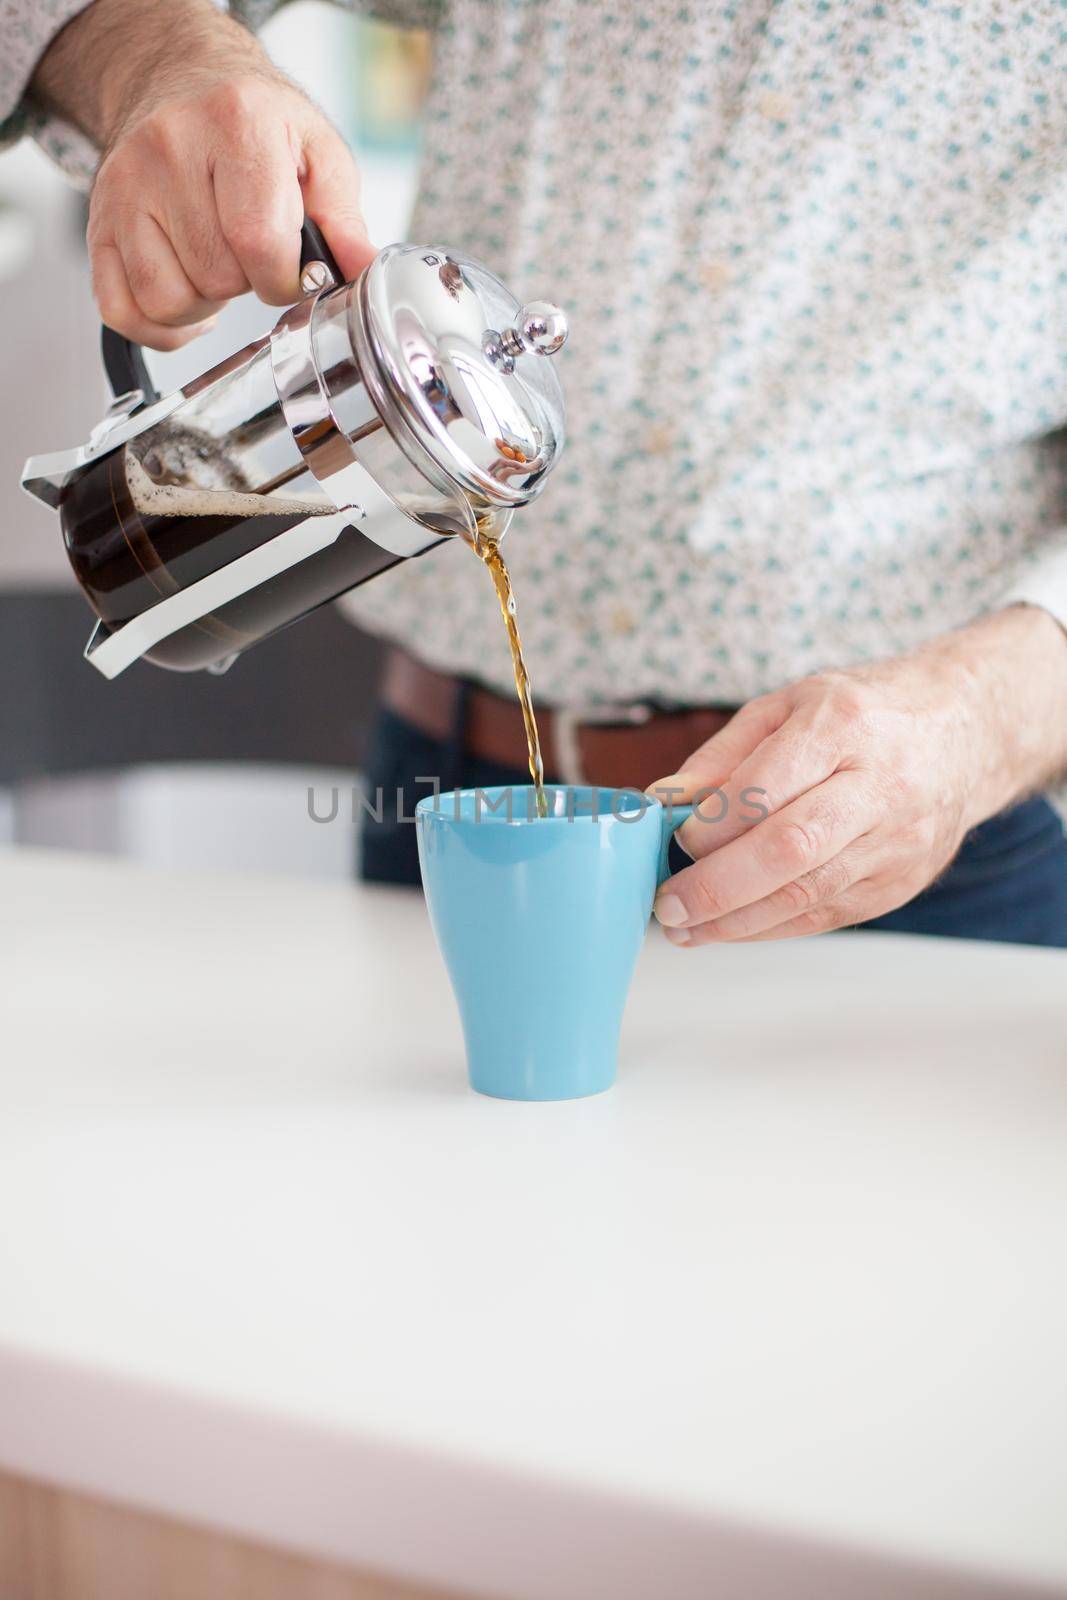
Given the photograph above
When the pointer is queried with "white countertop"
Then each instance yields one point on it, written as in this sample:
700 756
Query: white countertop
265 1262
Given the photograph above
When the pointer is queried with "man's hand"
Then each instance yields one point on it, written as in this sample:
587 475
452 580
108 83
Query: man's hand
212 159
864 781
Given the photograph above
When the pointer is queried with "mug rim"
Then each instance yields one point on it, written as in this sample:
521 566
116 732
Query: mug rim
433 807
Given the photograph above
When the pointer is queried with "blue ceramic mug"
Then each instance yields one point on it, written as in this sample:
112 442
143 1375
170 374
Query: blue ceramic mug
540 921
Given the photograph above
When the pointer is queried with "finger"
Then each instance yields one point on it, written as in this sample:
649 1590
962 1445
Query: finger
823 885
260 211
790 761
155 276
777 851
331 189
881 891
120 311
717 758
868 874
195 231
847 912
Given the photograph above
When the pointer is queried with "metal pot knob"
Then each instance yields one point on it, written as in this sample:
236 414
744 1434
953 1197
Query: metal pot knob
540 328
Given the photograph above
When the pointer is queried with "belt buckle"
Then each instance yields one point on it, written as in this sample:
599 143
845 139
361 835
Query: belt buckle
568 724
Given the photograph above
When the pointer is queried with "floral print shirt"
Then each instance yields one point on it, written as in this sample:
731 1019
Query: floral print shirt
813 258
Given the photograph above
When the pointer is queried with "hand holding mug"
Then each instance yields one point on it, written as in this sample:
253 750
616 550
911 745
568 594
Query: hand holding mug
869 778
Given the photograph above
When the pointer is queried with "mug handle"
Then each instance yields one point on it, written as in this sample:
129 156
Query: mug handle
671 819
124 361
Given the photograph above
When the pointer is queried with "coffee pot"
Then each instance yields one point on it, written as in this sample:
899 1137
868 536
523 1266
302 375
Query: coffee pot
377 420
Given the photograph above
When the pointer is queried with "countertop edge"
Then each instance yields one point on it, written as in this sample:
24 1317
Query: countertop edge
443 1521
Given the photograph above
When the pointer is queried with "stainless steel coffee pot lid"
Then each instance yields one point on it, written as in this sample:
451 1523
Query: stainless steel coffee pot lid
461 370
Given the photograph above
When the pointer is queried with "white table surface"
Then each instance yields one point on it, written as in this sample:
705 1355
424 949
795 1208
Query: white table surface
784 1313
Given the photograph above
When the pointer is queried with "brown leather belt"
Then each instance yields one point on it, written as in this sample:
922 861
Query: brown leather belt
614 746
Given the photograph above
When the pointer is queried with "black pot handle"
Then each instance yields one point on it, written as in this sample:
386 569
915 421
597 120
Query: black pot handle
313 247
124 364
124 361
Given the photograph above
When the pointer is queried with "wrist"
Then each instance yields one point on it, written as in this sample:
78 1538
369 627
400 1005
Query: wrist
118 58
1014 671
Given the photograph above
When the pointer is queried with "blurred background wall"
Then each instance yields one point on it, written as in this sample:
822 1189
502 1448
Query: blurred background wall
175 768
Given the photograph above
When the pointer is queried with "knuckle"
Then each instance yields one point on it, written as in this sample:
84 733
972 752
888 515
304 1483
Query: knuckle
851 706
237 102
251 241
819 684
825 918
838 875
258 244
844 700
142 274
159 137
702 901
790 846
842 914
800 895
160 301
758 713
177 311
220 279
205 248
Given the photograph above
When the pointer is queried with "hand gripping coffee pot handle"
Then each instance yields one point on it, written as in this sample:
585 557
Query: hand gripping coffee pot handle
124 360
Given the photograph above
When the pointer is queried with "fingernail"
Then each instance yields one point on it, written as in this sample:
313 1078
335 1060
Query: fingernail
670 911
678 935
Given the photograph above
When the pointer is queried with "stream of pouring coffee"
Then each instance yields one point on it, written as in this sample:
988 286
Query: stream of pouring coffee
487 546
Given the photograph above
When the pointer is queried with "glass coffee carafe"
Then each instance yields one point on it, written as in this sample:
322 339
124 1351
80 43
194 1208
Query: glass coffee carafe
377 420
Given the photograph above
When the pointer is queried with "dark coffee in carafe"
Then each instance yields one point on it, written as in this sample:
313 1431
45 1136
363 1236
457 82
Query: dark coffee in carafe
134 539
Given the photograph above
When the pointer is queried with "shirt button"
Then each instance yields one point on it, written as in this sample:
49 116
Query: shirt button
659 439
715 275
776 107
622 621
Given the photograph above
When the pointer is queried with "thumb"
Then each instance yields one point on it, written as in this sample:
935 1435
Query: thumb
716 759
331 189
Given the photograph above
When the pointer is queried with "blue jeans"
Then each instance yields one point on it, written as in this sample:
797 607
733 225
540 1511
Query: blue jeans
1008 882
